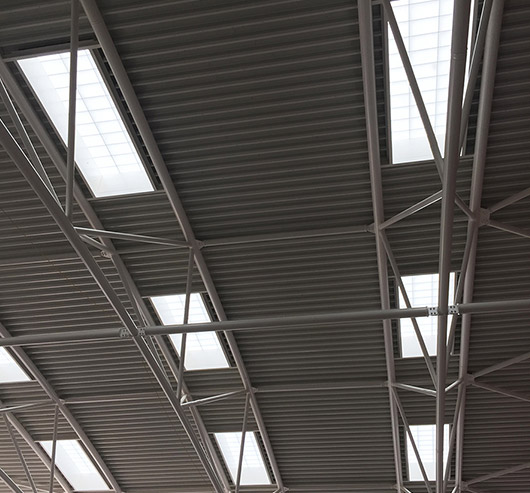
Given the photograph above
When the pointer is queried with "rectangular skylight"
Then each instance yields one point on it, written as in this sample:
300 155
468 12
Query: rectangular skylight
76 466
253 471
422 291
104 151
426 27
10 371
203 349
425 440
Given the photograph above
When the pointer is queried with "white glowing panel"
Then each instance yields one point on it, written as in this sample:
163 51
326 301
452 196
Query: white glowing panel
203 349
104 151
76 466
425 440
253 470
10 371
422 291
426 27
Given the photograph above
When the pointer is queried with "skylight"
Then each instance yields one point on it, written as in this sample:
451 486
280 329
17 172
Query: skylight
203 349
253 470
10 371
426 27
76 466
425 440
104 151
422 290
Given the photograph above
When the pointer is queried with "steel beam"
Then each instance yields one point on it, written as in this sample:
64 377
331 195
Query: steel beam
265 324
138 302
500 390
9 482
38 450
525 233
107 45
114 235
431 199
509 200
479 163
498 474
502 364
369 89
26 168
451 161
72 100
20 455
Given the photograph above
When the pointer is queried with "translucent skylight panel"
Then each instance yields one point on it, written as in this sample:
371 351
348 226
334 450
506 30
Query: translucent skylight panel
203 349
253 471
10 371
76 466
426 27
425 440
422 290
104 151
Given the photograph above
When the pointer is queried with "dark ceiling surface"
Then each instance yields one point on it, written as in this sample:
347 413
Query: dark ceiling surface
258 111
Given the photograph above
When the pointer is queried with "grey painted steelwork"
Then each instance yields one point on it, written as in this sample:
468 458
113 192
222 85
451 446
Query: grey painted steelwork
107 45
9 482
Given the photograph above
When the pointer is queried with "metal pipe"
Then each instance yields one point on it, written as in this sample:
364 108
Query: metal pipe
477 179
413 388
96 244
498 474
72 94
501 365
242 445
54 447
509 200
312 233
452 438
9 482
476 58
525 233
26 168
24 137
213 398
265 324
20 455
19 407
419 335
431 199
38 450
182 354
498 390
372 130
412 441
132 237
452 158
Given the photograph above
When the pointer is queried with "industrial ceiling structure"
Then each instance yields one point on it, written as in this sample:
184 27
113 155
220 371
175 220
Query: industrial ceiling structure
265 246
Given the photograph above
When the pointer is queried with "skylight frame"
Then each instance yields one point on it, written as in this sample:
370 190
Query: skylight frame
119 135
195 341
413 468
77 483
408 342
231 456
11 371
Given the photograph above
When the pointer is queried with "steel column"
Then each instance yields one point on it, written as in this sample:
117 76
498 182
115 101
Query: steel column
451 161
372 130
479 163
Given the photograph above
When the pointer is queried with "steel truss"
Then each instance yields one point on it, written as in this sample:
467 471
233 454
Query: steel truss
148 334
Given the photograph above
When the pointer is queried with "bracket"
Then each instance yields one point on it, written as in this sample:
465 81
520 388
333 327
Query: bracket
483 217
433 311
453 310
125 334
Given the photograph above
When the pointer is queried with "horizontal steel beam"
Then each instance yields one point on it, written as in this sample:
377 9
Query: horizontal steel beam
273 323
114 235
